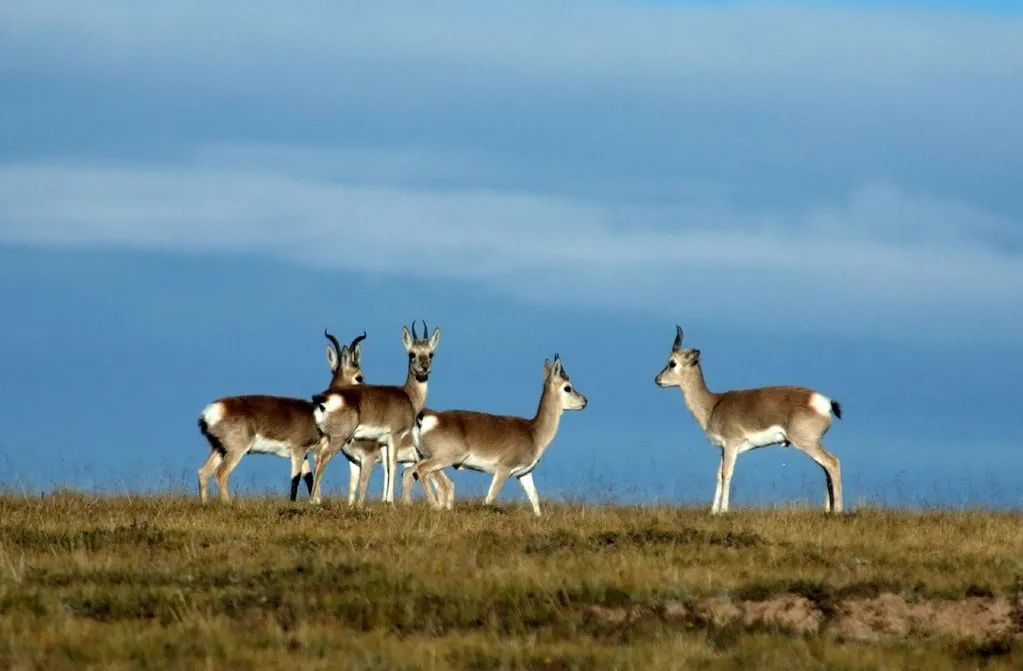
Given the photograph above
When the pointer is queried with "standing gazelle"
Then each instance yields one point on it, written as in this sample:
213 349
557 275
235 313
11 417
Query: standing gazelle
238 425
383 414
745 419
501 445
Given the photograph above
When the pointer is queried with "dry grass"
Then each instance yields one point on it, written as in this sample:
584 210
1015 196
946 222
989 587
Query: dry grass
160 582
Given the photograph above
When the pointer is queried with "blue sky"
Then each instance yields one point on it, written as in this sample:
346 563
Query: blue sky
821 194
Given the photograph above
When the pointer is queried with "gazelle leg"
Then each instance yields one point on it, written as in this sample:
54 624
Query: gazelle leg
832 471
527 484
206 471
390 467
425 470
448 489
716 506
307 474
297 459
407 480
500 475
323 458
728 456
367 470
354 476
227 465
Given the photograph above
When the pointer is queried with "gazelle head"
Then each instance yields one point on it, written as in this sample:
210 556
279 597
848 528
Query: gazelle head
558 383
680 362
420 350
345 362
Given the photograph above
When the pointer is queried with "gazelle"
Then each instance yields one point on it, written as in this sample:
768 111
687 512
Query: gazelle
382 414
745 419
502 445
239 425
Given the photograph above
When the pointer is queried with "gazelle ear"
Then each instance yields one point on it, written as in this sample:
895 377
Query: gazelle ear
546 369
406 338
356 354
435 338
556 368
332 358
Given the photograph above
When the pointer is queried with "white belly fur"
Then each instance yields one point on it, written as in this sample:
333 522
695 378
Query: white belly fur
370 433
261 445
770 436
475 463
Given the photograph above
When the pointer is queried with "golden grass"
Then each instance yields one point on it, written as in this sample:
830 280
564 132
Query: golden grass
133 582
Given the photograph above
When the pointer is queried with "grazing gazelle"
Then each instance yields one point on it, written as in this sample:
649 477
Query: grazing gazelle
498 444
238 425
745 419
383 414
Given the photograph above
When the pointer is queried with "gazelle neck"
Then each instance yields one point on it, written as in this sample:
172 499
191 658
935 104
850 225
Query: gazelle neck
416 391
548 416
698 398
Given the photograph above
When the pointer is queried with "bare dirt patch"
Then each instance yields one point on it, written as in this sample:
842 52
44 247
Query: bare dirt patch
883 617
972 618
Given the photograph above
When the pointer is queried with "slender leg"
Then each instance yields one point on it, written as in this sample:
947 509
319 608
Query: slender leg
716 506
322 459
390 467
527 484
228 464
307 474
407 480
354 475
425 470
500 475
297 459
206 471
832 472
449 489
443 488
368 462
727 468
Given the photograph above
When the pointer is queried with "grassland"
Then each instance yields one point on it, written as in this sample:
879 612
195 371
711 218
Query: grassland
159 582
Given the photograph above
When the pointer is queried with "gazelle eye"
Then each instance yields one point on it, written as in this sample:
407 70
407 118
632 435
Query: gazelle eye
672 364
568 388
321 407
358 378
411 356
431 355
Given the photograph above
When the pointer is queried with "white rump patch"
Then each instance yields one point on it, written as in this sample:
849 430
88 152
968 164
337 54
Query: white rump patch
334 402
261 445
820 403
213 413
430 423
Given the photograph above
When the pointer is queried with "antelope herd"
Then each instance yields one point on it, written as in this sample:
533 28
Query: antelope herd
370 423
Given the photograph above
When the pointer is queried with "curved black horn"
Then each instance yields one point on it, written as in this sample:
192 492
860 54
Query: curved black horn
333 341
678 338
414 336
426 330
357 340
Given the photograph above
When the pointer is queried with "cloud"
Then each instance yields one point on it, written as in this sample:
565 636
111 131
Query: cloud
828 168
598 100
884 262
